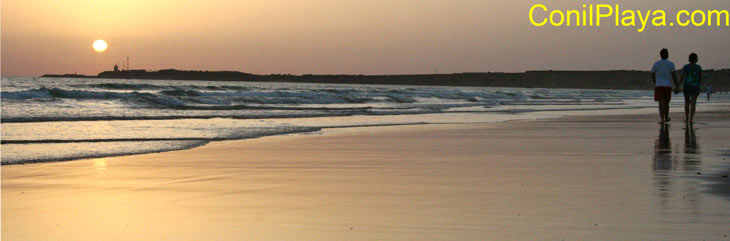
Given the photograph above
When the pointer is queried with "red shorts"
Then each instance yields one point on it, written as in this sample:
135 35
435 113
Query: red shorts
663 93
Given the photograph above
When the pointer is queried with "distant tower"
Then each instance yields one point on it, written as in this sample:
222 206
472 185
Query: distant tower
127 63
116 68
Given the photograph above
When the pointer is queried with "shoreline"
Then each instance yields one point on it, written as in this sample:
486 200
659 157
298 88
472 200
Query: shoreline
717 108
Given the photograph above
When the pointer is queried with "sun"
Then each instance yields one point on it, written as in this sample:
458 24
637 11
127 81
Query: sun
99 45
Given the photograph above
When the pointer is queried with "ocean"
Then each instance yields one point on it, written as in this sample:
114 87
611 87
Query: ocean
60 119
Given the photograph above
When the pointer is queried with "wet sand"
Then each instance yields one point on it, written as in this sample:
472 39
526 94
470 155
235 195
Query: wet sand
577 178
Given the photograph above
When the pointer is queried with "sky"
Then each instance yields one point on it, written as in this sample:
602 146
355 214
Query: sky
337 37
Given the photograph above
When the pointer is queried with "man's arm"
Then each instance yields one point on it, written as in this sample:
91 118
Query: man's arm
653 73
681 79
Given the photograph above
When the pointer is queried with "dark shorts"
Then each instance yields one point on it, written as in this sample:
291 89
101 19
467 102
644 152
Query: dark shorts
663 93
691 91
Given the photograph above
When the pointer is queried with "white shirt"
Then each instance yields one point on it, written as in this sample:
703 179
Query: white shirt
663 69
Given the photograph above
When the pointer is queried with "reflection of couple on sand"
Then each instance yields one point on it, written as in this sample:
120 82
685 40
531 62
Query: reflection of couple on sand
663 151
667 166
664 73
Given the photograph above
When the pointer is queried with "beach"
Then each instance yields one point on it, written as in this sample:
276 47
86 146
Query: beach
620 177
364 120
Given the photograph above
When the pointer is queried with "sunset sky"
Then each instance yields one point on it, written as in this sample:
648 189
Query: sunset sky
336 37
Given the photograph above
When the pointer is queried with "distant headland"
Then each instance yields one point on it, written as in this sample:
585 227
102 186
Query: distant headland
613 79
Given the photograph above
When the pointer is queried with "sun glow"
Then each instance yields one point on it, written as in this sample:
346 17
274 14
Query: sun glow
99 45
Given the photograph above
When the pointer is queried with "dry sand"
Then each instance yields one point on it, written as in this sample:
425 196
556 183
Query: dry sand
580 178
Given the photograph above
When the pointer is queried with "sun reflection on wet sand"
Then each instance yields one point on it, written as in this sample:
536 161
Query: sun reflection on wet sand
100 167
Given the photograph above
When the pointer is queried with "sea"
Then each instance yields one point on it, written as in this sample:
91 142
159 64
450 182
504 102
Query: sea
62 119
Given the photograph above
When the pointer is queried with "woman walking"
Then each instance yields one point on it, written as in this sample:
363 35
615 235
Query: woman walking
692 80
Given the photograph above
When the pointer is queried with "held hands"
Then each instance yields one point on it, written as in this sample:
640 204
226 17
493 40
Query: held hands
676 90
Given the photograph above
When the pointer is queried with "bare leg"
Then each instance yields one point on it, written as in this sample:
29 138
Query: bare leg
661 111
664 110
694 107
687 104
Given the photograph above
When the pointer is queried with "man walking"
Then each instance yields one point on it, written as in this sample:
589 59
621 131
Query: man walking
663 74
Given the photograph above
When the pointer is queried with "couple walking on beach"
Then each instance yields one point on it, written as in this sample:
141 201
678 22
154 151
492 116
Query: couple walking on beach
664 73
